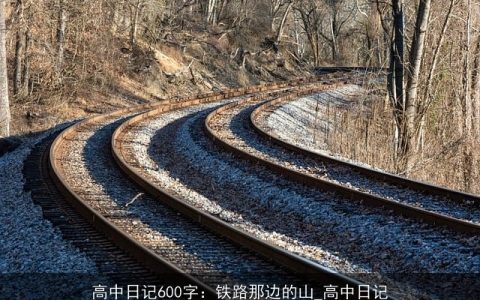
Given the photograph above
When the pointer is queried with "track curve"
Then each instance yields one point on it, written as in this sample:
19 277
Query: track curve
157 263
293 262
402 182
326 184
123 239
168 150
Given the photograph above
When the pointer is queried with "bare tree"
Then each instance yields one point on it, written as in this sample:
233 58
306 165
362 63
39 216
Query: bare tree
428 98
311 19
396 73
404 80
339 15
136 9
467 106
282 23
476 89
300 46
4 103
279 9
373 36
413 79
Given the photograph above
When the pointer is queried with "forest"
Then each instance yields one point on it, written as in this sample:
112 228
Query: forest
66 59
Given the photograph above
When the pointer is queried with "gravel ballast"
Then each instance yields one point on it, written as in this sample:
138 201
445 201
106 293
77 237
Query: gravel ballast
29 243
304 120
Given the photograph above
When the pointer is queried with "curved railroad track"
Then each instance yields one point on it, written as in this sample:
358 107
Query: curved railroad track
169 153
437 205
175 208
151 230
458 211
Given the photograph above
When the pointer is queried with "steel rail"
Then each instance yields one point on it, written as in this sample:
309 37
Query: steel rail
72 225
155 263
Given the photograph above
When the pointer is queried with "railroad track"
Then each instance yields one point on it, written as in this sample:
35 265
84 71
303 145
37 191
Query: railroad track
195 247
168 153
453 209
456 210
175 219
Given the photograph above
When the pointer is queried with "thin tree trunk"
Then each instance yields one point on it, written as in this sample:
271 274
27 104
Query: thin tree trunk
211 11
26 65
467 101
134 23
298 41
396 74
221 10
428 99
19 50
437 51
373 36
310 22
476 90
282 23
19 54
62 24
415 64
4 103
467 106
334 34
314 47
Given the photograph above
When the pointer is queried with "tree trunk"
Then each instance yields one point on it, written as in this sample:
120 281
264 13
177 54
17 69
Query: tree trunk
427 97
313 45
19 50
467 110
310 20
298 42
415 64
211 12
334 35
405 96
282 23
373 36
4 103
19 54
436 56
395 76
476 90
62 24
466 79
135 14
26 65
